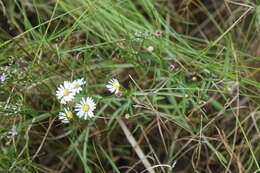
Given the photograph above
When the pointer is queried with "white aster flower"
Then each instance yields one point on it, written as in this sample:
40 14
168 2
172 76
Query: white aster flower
65 116
65 93
113 86
85 108
76 85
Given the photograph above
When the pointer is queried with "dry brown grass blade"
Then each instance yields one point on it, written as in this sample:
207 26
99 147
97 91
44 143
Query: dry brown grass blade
43 140
158 118
233 155
180 152
135 146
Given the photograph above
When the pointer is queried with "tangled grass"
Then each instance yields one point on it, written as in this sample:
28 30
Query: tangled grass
189 72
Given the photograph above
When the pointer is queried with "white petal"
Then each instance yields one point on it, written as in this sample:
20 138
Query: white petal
90 114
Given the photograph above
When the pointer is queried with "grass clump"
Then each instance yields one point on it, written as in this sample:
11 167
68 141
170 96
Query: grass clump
184 95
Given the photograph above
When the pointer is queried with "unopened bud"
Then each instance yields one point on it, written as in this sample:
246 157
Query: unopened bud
171 67
186 95
150 49
158 33
127 116
118 94
194 78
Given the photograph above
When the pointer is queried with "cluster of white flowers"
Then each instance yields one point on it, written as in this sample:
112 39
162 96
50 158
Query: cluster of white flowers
139 35
10 108
67 92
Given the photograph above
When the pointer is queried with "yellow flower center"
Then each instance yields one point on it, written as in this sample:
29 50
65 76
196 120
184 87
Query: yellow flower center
116 86
85 108
69 115
66 92
76 85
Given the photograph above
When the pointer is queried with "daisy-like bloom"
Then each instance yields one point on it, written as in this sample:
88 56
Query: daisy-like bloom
85 108
76 85
65 92
65 116
113 86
